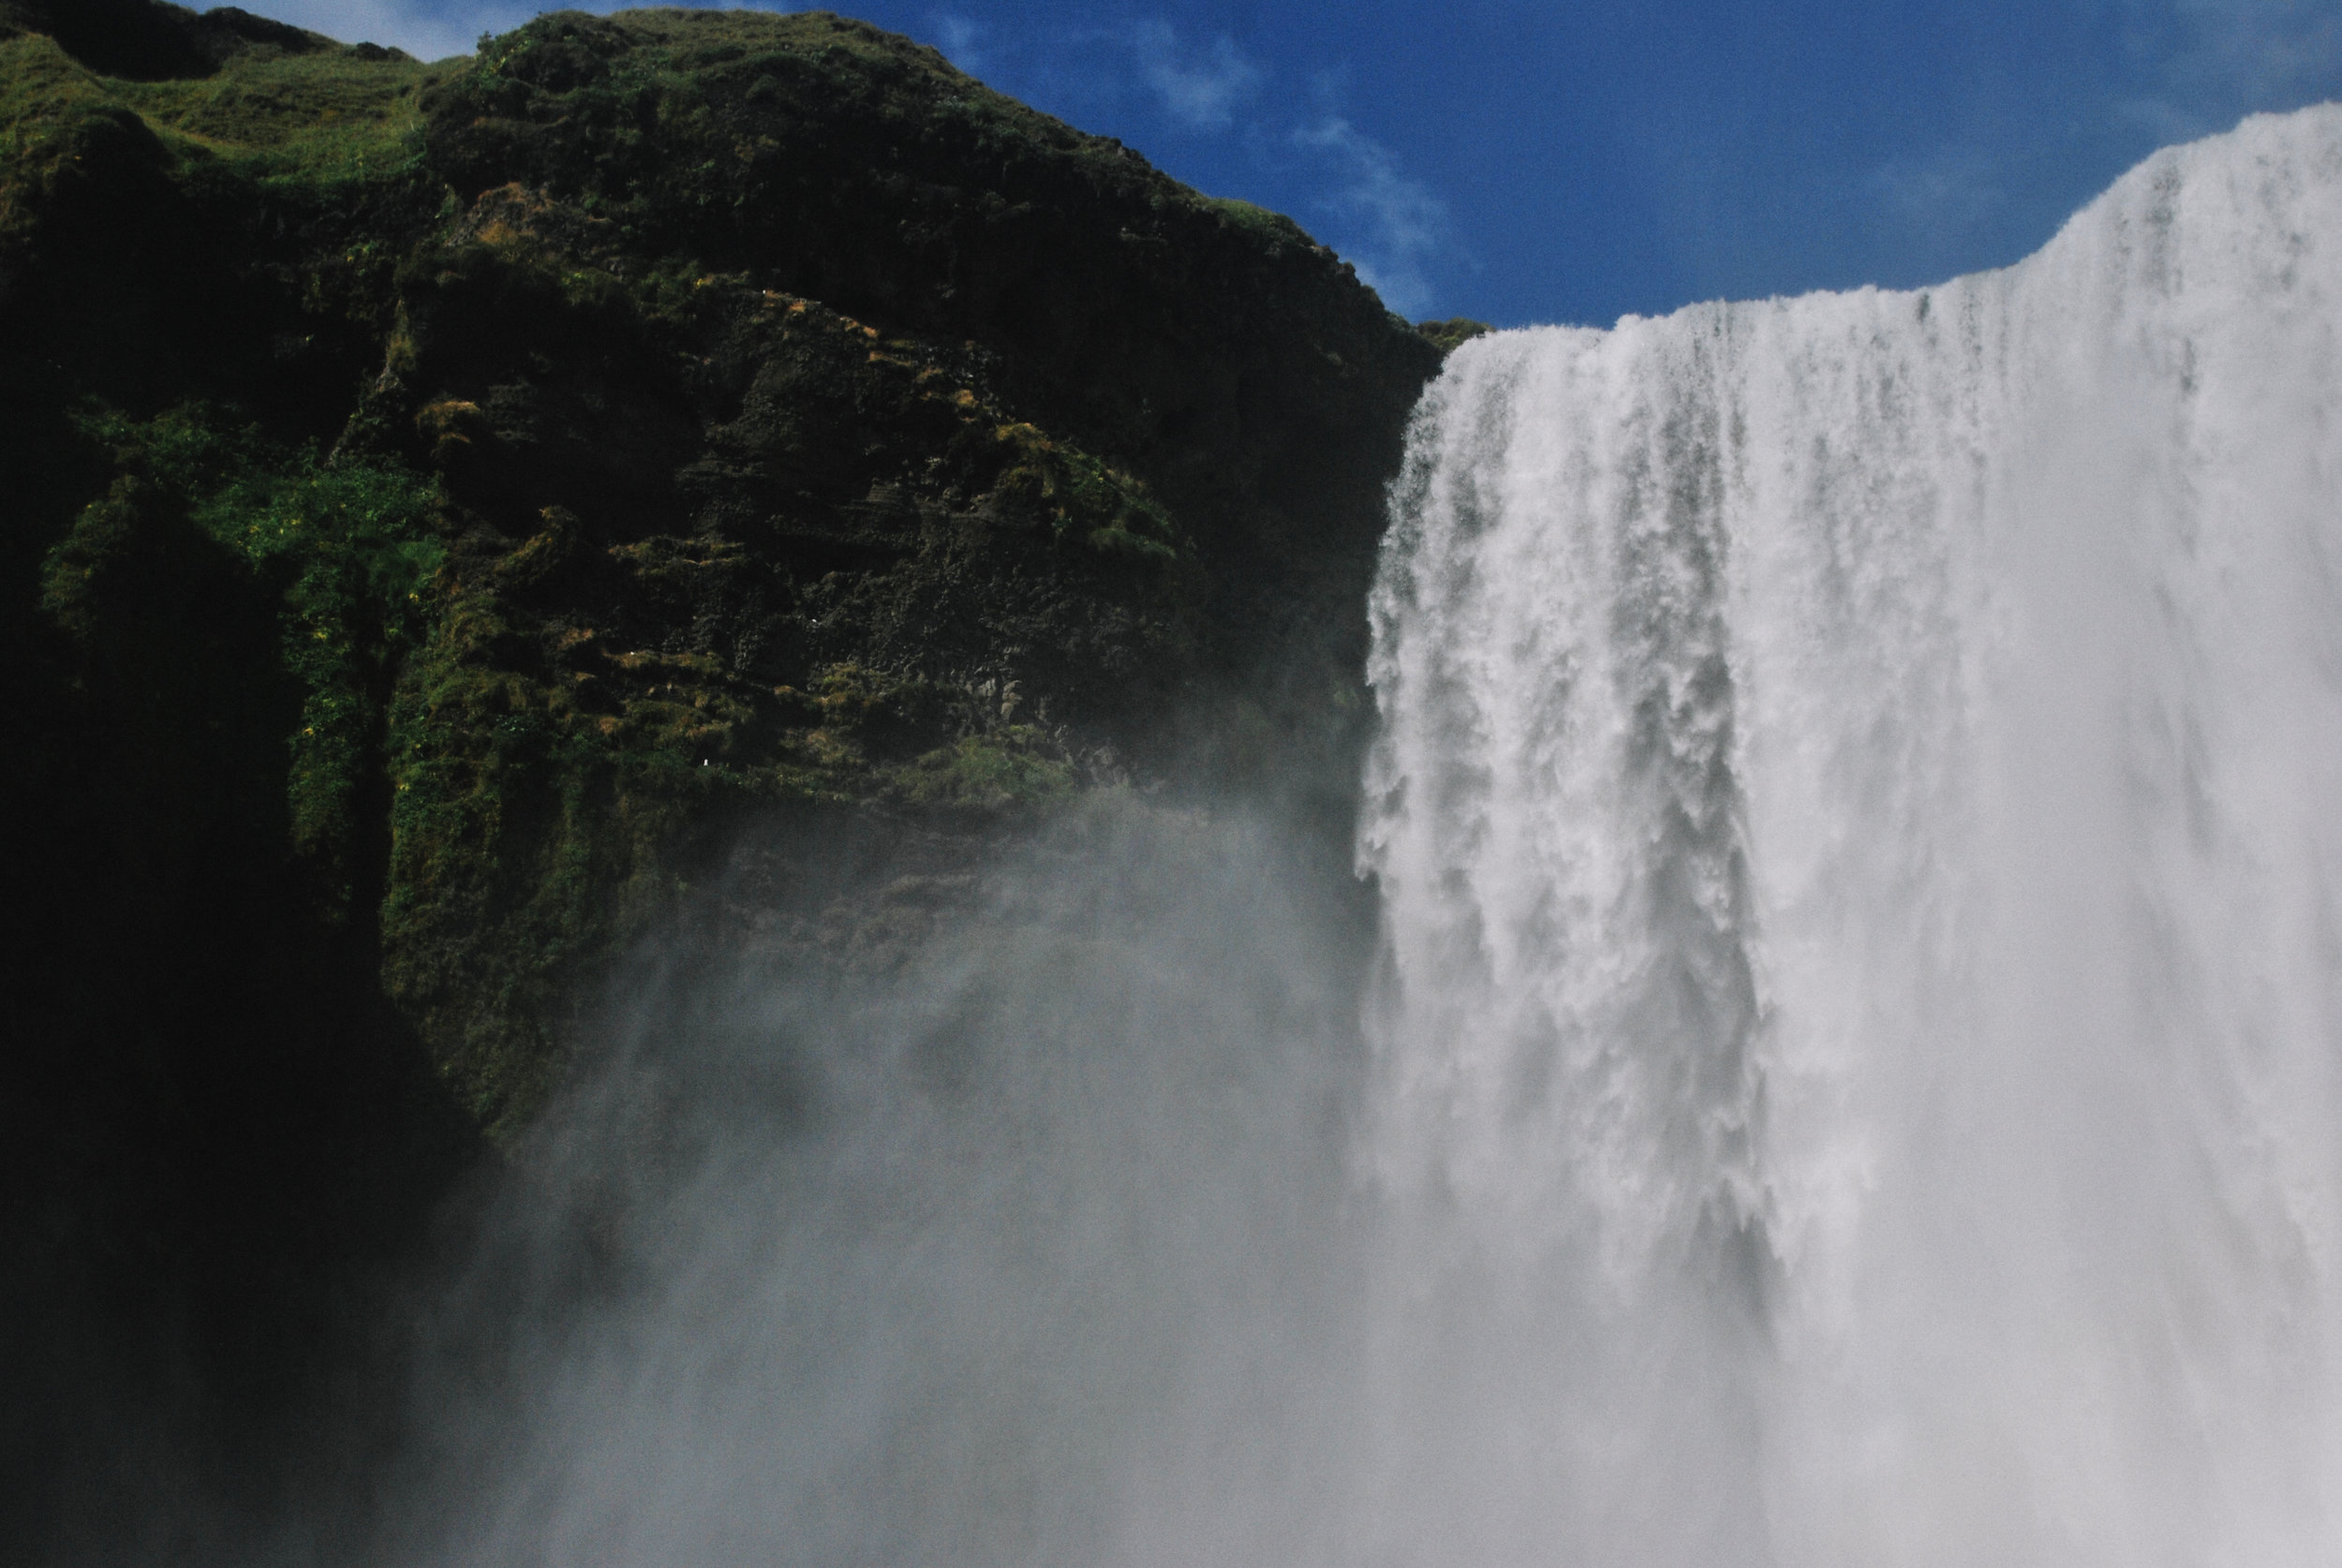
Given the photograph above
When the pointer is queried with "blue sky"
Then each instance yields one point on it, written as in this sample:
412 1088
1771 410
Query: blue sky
1574 161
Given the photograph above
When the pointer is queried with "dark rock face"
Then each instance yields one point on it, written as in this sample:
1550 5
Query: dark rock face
1004 269
448 507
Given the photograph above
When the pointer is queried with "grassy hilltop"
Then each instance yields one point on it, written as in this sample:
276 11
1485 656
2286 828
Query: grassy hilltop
447 503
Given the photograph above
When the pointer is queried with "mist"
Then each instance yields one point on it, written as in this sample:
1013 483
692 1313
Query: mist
1011 1218
1822 1050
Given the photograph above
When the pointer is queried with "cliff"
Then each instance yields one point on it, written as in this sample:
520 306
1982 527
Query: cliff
449 506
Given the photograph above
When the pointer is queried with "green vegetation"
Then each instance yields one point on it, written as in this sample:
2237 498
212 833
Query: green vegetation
323 119
719 86
541 814
1273 227
1082 498
1015 765
657 421
52 110
1452 334
350 549
461 518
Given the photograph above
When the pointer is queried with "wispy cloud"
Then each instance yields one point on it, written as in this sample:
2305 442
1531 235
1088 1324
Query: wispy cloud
1944 197
1389 224
959 38
430 29
428 32
2207 61
1211 94
1202 87
1202 90
2187 68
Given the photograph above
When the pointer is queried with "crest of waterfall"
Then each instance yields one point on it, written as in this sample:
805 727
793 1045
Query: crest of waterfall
1859 812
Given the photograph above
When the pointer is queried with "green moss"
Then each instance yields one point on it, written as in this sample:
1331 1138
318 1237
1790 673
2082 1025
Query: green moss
328 118
350 549
761 414
677 122
547 795
526 839
532 830
51 112
1273 227
529 830
1015 766
37 80
1452 334
860 716
1083 499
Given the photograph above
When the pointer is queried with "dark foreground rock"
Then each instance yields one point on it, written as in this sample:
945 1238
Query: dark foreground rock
447 507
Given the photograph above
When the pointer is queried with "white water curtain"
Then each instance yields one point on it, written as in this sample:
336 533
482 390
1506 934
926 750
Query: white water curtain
1859 822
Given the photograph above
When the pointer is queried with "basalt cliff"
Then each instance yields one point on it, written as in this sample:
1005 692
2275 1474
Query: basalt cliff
462 518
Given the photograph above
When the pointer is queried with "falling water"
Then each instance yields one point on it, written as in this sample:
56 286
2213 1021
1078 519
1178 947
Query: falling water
1860 820
1852 1076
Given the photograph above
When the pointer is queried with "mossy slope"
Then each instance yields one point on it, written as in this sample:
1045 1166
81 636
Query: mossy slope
800 421
445 503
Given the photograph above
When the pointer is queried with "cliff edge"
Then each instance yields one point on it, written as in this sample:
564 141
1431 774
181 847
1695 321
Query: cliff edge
448 503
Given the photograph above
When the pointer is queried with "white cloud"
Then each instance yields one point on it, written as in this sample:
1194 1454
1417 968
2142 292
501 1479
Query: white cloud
2191 67
427 30
1391 226
959 46
1201 87
1944 196
2262 45
2207 62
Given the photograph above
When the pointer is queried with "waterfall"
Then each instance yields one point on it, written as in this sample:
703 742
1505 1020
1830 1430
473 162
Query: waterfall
1859 813
1850 1068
